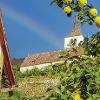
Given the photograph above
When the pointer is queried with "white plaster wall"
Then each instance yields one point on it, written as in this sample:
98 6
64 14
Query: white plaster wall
67 40
41 66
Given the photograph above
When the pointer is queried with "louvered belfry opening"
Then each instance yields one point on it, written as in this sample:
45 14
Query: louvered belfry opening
7 71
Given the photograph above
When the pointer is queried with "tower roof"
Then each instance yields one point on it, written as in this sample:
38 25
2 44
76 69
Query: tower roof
76 29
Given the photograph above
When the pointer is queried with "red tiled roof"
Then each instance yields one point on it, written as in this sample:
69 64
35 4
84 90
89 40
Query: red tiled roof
41 58
46 57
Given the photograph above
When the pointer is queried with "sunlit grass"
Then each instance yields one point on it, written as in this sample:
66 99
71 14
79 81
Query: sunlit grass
38 86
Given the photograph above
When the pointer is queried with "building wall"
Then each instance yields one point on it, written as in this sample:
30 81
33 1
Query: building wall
41 66
67 40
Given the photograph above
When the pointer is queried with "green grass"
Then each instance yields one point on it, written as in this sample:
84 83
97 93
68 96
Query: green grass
4 96
37 85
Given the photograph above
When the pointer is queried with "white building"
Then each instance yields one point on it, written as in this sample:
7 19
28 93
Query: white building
42 60
75 36
47 58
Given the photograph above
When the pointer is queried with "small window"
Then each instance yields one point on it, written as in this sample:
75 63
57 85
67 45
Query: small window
33 62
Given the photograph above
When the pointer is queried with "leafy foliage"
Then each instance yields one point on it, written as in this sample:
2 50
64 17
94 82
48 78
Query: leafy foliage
79 76
82 77
82 10
64 53
92 46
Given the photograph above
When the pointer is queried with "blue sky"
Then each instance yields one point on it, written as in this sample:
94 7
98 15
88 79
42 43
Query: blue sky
33 26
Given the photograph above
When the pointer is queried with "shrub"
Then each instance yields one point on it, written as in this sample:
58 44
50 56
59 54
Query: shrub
82 79
92 46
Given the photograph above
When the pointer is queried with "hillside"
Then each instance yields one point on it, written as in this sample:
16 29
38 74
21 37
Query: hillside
16 61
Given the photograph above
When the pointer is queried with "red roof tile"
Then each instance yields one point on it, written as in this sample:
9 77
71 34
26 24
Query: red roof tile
47 57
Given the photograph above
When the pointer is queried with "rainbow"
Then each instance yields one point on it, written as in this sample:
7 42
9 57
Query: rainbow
32 25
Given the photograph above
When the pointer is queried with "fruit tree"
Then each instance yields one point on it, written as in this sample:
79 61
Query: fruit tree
85 12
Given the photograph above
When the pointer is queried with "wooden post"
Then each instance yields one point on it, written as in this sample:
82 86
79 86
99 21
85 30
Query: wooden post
1 63
7 68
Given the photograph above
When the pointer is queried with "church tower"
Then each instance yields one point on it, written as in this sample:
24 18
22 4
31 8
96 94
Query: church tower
75 35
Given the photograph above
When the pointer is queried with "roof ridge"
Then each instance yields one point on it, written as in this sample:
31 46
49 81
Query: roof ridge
43 53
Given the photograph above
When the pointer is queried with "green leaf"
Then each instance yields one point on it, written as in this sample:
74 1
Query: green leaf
58 91
58 2
53 98
69 15
62 88
54 1
63 97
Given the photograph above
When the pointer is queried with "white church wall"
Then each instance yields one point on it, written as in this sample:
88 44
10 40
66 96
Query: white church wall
41 66
67 40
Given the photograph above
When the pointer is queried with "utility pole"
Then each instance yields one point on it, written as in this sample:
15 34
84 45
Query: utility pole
7 71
